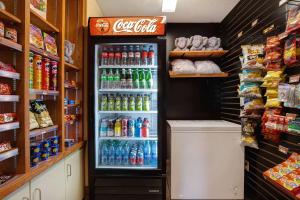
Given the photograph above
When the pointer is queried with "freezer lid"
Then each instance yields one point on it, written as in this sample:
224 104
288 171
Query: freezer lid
203 125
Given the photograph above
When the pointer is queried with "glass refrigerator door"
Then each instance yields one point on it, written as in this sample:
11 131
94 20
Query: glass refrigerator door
126 103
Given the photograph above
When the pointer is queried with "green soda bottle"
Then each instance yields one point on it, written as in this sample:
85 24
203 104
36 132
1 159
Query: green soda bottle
135 78
139 103
125 103
117 79
131 103
142 80
103 105
110 79
118 103
149 79
146 103
111 103
104 79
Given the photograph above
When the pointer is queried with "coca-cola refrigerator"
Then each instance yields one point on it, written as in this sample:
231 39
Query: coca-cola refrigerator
126 128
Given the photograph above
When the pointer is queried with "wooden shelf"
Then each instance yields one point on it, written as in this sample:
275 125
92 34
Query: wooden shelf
44 92
71 67
7 74
197 54
6 16
9 98
37 132
73 148
9 126
9 154
71 106
40 22
8 44
44 53
176 75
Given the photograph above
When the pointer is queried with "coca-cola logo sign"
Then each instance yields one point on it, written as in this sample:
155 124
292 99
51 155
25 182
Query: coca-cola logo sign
127 26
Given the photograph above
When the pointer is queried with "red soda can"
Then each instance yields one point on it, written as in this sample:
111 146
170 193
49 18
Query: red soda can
53 75
45 73
124 127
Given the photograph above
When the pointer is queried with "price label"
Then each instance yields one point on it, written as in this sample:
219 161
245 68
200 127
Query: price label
240 34
269 29
254 22
283 149
294 78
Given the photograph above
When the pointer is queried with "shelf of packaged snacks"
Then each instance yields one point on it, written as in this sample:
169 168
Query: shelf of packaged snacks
70 67
44 92
9 98
44 53
7 74
9 126
128 112
128 138
4 15
128 90
37 132
125 167
176 75
279 187
71 106
8 154
43 24
197 54
128 67
8 44
73 148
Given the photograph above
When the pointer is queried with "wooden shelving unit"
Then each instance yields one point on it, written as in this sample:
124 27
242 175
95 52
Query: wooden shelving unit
197 54
176 75
64 21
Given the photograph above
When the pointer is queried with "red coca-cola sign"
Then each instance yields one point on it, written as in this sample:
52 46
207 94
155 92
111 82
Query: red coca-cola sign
115 26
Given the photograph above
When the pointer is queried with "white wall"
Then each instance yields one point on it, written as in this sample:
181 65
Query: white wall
93 9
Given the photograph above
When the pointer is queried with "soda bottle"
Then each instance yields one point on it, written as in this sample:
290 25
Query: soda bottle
104 56
135 79
145 128
104 79
129 79
139 103
123 79
118 128
147 153
138 127
149 79
142 80
104 154
131 127
110 79
125 154
117 79
131 103
146 103
103 128
144 55
140 156
103 105
154 153
117 56
150 56
111 103
125 102
111 154
130 60
137 55
111 56
124 127
124 56
118 103
132 155
119 150
110 128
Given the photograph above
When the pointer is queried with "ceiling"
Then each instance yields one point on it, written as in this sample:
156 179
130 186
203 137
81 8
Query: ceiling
193 11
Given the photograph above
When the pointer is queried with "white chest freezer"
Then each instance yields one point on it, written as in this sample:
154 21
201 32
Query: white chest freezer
206 160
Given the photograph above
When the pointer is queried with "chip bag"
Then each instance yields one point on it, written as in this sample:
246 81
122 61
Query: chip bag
252 55
273 103
253 104
36 37
41 113
33 124
50 44
293 21
274 76
249 89
271 93
248 133
292 51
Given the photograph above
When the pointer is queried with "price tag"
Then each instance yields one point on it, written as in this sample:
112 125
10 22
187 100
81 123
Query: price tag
240 34
283 35
269 29
283 149
254 22
44 93
294 78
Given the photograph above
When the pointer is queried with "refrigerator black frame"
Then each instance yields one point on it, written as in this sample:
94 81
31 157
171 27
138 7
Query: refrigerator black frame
161 62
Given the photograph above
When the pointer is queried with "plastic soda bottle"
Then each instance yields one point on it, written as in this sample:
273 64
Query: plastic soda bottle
104 56
140 156
142 80
147 153
104 79
110 79
104 154
149 79
137 55
129 79
154 153
103 105
124 56
125 154
131 103
151 56
117 79
117 56
111 103
119 154
124 127
103 128
138 127
118 128
130 60
145 128
146 103
125 102
110 128
144 55
132 155
123 79
111 56
131 127
135 79
111 154
118 102
139 103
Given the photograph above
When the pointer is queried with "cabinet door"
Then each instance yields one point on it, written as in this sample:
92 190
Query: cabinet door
22 193
50 185
74 176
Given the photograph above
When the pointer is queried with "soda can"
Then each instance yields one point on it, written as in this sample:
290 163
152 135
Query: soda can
37 71
53 75
131 128
31 55
124 127
110 128
45 74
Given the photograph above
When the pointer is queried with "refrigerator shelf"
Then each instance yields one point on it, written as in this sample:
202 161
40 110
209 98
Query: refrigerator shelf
125 167
128 112
129 90
128 67
128 138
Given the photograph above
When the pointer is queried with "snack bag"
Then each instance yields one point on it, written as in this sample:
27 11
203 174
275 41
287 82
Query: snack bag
253 55
271 93
5 89
294 126
287 183
273 66
249 89
272 174
272 42
293 21
270 84
252 114
291 51
7 117
273 103
50 44
33 124
36 37
274 76
251 75
248 133
251 104
273 55
41 113
283 92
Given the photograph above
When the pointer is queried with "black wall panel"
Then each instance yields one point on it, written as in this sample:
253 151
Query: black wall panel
267 13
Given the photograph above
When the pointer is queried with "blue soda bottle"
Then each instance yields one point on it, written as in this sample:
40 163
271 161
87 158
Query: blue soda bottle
138 127
118 155
125 154
147 153
154 153
104 154
111 154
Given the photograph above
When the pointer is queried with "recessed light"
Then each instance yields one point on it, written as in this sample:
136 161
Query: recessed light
169 5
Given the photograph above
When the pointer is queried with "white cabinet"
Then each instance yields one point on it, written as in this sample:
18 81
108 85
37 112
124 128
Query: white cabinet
74 176
23 193
50 184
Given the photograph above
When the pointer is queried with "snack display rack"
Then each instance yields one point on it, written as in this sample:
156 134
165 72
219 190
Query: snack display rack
64 18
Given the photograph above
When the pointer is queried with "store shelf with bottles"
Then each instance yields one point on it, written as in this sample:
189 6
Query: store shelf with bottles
129 90
141 167
128 67
128 112
129 138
